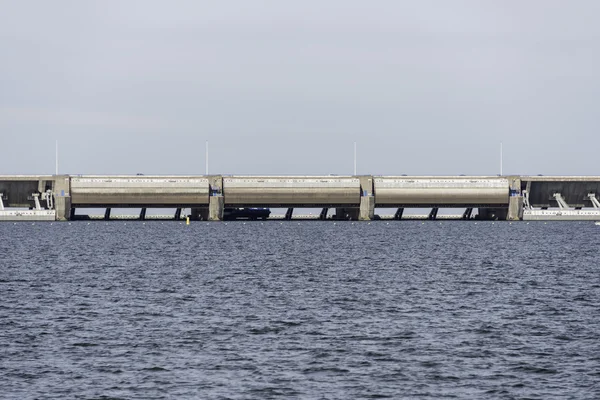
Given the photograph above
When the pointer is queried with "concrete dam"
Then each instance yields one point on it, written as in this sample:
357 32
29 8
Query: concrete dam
514 198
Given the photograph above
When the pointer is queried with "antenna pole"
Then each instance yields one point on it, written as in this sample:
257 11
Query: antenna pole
501 155
354 158
56 157
207 157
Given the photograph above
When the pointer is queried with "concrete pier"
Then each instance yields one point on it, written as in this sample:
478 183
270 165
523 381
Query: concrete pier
511 198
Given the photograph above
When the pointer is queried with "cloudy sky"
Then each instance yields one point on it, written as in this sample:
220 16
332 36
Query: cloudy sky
280 87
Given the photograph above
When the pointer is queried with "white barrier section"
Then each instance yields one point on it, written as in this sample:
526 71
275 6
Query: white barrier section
306 191
90 190
404 190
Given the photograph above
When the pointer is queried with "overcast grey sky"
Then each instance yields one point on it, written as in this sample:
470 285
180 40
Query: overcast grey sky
282 87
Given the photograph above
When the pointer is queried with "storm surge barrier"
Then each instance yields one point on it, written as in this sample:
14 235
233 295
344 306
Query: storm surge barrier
514 198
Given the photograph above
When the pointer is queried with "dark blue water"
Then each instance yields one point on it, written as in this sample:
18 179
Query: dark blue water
299 310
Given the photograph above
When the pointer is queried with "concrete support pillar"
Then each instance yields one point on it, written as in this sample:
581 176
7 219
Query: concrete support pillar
216 207
467 213
323 215
289 213
515 208
216 200
398 214
62 197
515 199
433 213
367 208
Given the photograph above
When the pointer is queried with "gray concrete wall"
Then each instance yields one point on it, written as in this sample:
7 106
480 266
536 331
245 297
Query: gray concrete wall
18 193
574 189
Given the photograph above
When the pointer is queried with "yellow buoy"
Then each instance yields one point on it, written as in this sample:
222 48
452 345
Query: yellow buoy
187 220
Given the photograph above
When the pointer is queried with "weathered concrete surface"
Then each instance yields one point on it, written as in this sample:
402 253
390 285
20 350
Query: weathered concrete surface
216 208
62 197
367 208
515 208
515 201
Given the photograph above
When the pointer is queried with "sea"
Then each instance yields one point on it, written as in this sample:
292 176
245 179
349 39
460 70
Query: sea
300 310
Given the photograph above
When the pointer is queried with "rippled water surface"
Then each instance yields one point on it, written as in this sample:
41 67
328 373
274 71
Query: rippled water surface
299 310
